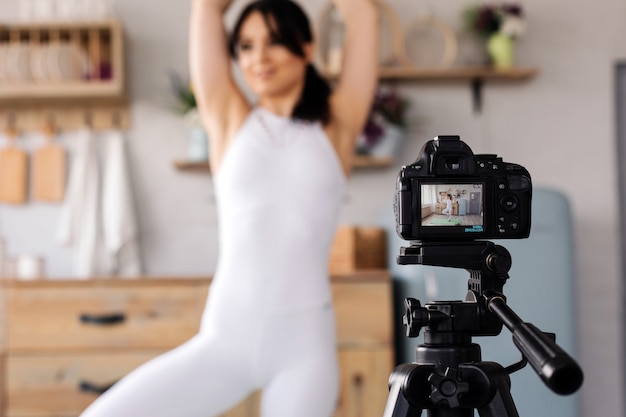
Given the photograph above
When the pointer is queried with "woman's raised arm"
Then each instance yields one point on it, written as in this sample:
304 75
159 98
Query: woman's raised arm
221 105
353 95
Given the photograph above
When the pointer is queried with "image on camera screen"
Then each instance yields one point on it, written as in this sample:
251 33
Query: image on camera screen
453 205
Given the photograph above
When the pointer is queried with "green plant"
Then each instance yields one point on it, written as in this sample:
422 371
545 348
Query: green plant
184 98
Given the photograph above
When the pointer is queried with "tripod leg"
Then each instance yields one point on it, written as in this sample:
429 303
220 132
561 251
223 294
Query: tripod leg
502 404
397 403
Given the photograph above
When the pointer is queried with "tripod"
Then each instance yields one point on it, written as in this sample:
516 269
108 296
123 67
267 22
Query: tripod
448 378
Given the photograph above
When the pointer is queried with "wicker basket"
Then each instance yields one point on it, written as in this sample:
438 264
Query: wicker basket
358 248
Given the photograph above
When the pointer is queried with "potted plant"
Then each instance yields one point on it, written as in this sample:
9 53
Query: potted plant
500 24
184 103
386 124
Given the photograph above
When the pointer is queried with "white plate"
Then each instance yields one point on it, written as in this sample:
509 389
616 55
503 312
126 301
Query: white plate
52 62
73 62
18 63
430 43
66 62
38 67
3 64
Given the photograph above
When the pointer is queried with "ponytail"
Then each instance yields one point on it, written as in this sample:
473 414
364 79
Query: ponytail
313 104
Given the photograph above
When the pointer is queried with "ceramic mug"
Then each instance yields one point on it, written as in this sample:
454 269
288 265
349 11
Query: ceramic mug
28 267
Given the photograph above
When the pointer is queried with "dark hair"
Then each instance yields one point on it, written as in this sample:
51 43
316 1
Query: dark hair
293 31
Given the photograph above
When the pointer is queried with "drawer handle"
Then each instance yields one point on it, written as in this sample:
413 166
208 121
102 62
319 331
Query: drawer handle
103 319
86 386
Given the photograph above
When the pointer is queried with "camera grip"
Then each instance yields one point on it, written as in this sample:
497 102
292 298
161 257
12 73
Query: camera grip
558 370
554 366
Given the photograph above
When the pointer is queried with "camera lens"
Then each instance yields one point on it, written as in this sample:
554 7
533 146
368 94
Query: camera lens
508 203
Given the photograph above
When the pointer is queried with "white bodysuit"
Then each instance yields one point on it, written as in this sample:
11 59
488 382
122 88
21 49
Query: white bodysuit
269 322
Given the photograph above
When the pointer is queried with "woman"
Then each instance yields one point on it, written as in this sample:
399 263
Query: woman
279 171
448 209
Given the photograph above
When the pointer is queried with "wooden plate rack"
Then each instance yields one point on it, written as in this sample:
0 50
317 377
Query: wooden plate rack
39 84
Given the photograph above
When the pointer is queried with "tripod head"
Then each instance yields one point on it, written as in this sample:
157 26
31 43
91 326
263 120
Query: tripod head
488 265
448 359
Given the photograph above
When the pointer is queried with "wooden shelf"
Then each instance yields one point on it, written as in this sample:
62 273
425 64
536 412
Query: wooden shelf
452 73
476 76
364 161
202 166
457 73
63 90
360 162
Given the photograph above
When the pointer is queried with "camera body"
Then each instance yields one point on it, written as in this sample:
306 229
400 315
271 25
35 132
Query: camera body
449 193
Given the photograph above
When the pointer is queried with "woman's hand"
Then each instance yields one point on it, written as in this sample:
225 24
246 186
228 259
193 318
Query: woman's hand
220 5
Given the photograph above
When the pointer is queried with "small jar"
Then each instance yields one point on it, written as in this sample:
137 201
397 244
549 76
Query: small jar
29 267
3 259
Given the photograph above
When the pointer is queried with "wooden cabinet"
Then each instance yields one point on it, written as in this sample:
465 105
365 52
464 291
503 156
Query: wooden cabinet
359 162
65 341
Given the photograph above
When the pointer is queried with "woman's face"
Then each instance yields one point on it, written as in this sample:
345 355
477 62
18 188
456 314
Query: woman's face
269 68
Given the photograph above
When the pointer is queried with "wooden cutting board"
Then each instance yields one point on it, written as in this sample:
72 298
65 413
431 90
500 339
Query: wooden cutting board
49 171
13 175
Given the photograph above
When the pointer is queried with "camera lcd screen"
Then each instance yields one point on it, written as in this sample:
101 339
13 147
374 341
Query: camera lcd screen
453 205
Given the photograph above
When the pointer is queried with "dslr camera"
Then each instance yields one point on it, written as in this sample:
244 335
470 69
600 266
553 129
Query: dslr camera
449 193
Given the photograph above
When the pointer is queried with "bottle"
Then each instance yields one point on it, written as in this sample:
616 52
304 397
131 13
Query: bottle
336 33
3 259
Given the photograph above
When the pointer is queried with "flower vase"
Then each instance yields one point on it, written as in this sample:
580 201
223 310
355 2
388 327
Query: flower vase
389 144
501 50
197 144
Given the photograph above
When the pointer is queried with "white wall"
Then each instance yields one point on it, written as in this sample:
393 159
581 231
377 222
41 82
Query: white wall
559 125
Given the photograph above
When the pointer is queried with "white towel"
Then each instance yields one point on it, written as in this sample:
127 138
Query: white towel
80 213
121 235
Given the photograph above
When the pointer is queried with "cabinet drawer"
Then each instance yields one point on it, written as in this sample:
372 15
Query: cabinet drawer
37 386
68 317
55 382
162 316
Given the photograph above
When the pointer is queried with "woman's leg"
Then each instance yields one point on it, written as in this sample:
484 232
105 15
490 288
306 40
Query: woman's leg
301 358
200 378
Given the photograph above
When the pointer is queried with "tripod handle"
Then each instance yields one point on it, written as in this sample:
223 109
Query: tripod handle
558 370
